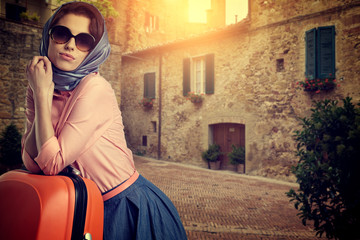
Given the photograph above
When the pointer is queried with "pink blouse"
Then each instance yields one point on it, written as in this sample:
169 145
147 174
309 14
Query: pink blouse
89 135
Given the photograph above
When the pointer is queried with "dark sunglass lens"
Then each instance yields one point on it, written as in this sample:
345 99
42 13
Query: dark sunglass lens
60 34
84 42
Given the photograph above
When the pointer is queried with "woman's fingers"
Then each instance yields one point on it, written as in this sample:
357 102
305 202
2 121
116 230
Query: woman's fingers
47 64
37 60
28 66
39 73
40 65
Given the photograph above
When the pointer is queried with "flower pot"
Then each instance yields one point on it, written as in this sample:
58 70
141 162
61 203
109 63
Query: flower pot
195 97
147 105
196 100
215 165
317 86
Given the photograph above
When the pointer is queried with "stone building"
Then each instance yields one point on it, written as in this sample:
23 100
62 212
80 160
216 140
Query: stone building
153 22
248 74
246 71
139 24
11 9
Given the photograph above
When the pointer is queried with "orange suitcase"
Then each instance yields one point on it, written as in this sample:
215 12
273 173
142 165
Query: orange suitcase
49 207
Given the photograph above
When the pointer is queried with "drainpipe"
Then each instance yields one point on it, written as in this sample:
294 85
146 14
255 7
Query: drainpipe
160 107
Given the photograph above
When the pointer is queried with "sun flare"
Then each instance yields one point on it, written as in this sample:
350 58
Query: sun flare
236 10
197 10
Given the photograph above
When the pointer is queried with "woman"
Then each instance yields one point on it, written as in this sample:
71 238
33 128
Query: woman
73 119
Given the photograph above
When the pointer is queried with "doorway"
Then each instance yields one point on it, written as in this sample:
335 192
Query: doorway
226 135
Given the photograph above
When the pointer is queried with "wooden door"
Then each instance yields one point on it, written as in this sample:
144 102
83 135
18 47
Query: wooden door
226 135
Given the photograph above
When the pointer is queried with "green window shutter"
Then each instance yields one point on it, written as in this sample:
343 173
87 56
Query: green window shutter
310 51
209 74
326 52
149 85
186 76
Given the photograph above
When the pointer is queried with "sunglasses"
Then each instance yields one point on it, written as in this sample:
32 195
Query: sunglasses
83 41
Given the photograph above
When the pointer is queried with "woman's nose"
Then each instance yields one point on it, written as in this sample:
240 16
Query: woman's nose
70 44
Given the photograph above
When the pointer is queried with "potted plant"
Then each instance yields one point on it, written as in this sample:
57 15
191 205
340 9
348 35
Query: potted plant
317 85
195 97
147 102
212 156
237 158
31 18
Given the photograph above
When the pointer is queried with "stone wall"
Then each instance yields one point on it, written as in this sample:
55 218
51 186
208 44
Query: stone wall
266 12
18 44
250 88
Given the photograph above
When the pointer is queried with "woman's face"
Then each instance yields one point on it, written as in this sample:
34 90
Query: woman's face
67 56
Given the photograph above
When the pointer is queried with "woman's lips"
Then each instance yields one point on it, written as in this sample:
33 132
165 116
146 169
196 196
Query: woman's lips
67 57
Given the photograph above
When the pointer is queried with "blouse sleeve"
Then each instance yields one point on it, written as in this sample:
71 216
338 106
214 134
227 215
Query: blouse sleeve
29 163
88 116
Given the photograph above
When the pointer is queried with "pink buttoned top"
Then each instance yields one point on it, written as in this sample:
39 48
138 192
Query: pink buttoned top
89 135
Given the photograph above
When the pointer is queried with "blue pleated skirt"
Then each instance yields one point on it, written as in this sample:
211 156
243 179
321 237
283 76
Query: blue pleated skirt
142 212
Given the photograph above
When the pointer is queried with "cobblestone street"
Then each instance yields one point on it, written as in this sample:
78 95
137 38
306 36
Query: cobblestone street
226 205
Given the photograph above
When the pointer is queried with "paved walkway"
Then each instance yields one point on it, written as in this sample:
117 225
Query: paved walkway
226 205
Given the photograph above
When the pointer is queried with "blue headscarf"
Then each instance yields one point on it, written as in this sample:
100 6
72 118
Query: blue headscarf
68 80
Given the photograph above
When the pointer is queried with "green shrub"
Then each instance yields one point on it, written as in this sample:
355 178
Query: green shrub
27 16
10 148
237 155
328 170
212 154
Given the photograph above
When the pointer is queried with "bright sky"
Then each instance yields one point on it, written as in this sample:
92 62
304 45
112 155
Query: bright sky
197 10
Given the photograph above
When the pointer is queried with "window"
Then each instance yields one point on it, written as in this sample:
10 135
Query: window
280 65
151 23
144 141
198 74
198 83
149 85
13 11
320 53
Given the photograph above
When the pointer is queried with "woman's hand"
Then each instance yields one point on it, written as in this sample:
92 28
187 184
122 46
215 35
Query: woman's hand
39 75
